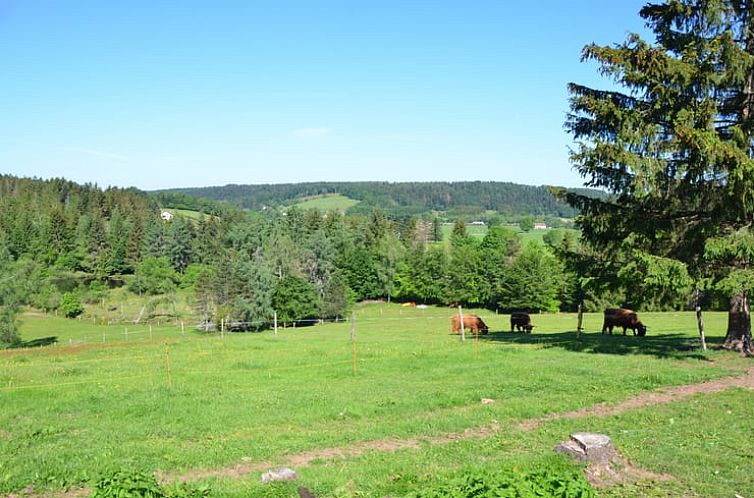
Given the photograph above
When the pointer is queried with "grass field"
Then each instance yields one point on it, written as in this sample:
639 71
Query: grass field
479 231
194 215
191 405
330 202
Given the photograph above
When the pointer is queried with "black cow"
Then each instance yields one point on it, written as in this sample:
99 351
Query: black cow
521 321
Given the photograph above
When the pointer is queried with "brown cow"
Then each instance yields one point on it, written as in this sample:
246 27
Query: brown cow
521 321
470 323
621 317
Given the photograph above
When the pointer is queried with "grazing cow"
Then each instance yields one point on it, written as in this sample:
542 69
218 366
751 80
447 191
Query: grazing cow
620 317
470 323
521 321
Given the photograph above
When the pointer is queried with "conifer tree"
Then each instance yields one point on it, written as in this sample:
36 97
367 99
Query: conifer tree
674 144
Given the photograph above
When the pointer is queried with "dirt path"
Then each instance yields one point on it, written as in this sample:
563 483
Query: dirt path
295 460
667 395
298 460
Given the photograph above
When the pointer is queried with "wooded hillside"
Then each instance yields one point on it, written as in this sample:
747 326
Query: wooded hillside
63 244
395 198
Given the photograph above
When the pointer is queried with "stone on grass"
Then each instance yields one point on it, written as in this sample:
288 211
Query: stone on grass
588 447
284 474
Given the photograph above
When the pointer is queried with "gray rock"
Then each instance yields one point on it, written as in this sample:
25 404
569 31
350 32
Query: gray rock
588 447
284 474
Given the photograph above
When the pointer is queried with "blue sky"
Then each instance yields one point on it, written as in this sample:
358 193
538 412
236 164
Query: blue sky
157 94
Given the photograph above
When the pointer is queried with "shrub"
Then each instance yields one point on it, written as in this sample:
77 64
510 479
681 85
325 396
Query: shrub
139 484
48 298
97 291
9 335
71 305
553 483
154 276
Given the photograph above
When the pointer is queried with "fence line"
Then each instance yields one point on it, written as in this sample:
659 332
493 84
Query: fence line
173 369
161 369
126 335
73 383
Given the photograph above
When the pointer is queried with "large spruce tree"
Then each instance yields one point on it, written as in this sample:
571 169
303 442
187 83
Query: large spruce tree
673 141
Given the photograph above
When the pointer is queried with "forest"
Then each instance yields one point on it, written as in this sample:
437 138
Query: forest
395 199
63 244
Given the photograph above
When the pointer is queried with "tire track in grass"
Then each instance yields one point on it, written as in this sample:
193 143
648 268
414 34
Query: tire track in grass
659 397
303 459
662 396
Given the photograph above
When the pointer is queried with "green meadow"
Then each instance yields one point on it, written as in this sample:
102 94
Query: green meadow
189 405
193 215
338 202
479 231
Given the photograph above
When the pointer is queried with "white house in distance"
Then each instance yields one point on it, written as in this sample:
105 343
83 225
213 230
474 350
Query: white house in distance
540 226
166 215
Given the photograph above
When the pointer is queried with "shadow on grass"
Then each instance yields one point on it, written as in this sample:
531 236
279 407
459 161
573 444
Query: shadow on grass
38 343
662 346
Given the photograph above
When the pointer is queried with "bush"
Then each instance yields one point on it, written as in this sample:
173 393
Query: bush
154 276
97 291
48 298
71 305
9 335
127 484
553 483
139 484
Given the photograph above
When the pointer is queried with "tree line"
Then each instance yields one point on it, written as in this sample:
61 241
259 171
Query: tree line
402 198
63 243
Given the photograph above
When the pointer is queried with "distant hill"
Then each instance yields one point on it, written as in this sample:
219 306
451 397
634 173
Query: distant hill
507 199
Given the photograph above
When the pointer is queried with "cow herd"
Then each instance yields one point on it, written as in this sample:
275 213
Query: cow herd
521 322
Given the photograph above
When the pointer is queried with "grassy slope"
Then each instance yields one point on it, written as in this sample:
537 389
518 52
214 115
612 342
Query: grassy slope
332 202
73 412
194 215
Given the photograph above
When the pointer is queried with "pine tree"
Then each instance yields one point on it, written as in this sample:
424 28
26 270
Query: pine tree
9 335
674 145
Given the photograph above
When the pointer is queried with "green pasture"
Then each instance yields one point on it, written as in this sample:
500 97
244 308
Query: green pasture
184 403
331 202
194 215
479 231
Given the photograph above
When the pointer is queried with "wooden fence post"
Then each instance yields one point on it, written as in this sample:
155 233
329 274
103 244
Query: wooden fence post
167 364
699 321
353 340
463 330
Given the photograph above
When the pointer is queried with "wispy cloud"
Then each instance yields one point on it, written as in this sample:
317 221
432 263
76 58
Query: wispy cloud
95 152
310 133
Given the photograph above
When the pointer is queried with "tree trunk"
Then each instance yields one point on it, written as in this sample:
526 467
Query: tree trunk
738 337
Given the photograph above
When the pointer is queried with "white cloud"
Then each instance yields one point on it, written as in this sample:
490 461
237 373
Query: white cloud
95 152
313 133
